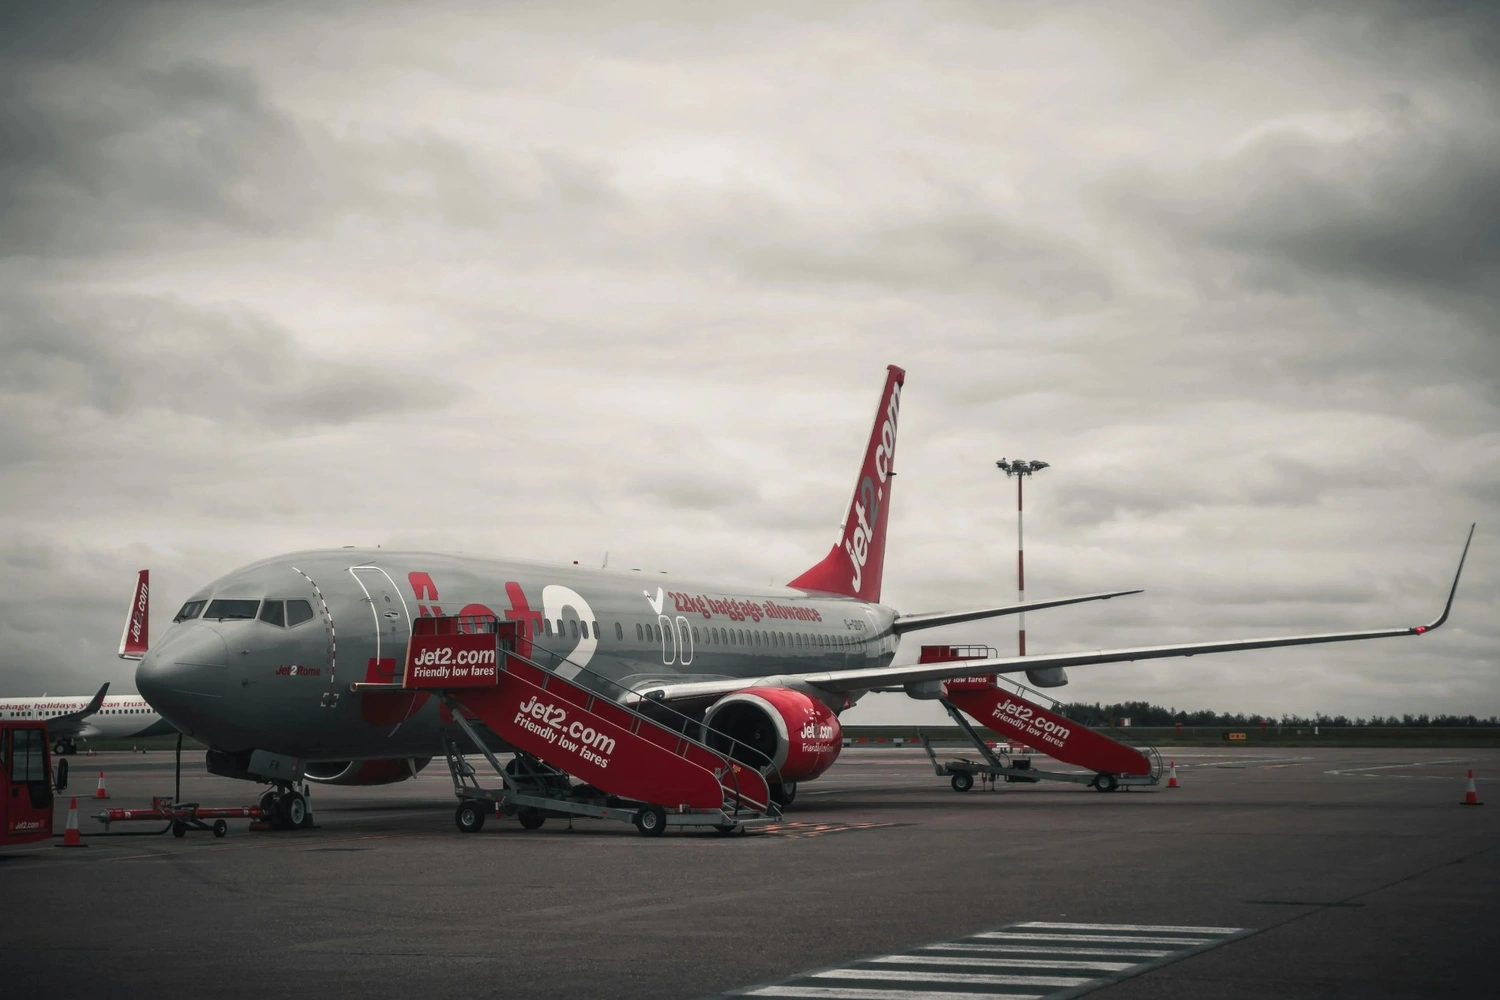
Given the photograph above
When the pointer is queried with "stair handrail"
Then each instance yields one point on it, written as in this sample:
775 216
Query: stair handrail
1153 759
1025 690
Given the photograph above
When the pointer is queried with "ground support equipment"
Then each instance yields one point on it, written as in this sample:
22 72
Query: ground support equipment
180 817
1110 763
535 792
629 766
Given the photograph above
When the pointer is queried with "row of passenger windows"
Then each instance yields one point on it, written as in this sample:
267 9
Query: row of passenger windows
288 614
751 637
646 632
282 614
17 714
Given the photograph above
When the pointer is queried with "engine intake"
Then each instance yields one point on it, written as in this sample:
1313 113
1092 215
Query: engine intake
798 733
364 772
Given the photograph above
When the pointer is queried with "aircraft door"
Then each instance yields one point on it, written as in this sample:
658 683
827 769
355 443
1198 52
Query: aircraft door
684 641
390 615
668 639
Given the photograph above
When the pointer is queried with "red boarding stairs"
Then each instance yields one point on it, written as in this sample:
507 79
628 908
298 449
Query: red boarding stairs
1109 763
631 766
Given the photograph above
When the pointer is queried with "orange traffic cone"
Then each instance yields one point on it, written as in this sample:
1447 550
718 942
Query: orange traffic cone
1172 775
70 835
1471 796
100 793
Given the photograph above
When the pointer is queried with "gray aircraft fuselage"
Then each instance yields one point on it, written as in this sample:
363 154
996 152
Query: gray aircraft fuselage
243 684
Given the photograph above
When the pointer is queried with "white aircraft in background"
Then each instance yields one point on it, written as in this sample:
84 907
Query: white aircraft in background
79 717
71 718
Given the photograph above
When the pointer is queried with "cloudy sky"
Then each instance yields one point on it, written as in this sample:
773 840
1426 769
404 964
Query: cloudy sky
551 280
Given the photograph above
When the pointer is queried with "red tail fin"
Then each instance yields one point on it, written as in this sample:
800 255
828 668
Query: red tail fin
134 639
853 566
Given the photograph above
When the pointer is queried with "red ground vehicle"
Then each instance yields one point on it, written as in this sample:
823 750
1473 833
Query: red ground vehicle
25 782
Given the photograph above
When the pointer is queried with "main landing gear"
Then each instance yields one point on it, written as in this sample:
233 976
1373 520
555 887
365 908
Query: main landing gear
286 808
63 747
784 794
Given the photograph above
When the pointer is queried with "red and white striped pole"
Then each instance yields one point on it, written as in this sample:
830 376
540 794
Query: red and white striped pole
1020 469
1020 565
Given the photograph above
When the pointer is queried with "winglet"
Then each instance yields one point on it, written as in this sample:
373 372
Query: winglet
136 635
1418 630
96 703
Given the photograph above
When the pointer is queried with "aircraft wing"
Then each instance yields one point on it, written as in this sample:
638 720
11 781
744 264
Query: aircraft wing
68 725
932 619
861 679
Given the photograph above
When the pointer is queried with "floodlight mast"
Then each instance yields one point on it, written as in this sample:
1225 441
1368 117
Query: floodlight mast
1020 469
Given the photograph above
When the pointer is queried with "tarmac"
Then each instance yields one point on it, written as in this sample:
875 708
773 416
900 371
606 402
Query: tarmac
1306 872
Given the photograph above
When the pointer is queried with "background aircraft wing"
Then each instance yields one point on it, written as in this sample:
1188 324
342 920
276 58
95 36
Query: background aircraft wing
862 679
932 619
68 725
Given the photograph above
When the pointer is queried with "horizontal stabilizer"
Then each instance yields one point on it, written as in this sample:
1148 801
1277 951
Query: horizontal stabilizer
910 623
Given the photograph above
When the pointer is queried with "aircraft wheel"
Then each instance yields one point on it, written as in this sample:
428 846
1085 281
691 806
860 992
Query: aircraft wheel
962 781
651 821
268 811
61 749
531 818
220 828
179 829
294 810
784 794
1106 783
469 816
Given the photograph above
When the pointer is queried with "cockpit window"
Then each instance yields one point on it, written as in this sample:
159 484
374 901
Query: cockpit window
227 609
272 613
189 610
297 612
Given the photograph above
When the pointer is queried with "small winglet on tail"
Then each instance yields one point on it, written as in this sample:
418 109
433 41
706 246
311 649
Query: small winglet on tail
853 566
136 635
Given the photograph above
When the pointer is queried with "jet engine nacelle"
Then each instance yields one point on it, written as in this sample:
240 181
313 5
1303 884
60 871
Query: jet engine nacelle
365 772
1047 677
801 735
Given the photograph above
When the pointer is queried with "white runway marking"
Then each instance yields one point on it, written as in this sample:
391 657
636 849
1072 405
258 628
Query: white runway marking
1034 949
1049 964
1364 772
1090 938
1044 925
1004 963
963 978
842 993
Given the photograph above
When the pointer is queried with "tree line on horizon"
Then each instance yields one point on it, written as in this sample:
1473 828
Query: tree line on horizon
1142 713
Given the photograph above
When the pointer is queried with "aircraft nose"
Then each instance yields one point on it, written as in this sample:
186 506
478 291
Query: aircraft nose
183 675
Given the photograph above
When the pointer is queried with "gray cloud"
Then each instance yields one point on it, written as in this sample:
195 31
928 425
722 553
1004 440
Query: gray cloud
1382 196
962 249
118 354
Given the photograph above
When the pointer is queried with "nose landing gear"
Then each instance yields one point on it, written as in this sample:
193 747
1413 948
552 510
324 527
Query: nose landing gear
287 808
